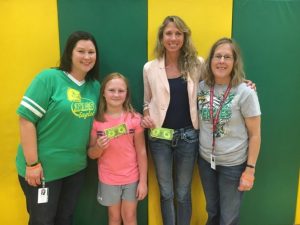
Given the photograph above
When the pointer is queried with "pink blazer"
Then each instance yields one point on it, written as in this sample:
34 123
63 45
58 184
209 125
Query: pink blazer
157 91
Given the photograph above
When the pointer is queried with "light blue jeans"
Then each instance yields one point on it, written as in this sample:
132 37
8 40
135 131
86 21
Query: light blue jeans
175 159
223 199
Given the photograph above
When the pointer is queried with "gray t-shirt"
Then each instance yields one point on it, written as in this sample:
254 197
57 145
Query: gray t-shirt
231 143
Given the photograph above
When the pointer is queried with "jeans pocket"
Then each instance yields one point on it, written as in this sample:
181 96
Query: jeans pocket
191 136
150 138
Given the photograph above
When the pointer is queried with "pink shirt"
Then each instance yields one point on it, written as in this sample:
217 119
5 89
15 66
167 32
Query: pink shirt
118 163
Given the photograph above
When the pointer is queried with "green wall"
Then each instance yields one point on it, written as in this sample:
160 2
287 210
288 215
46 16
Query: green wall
120 28
269 35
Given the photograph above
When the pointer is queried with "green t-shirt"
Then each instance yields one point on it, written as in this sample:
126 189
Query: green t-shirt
63 111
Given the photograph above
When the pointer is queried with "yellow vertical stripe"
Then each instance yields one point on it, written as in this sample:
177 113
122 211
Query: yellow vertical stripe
29 43
208 20
297 219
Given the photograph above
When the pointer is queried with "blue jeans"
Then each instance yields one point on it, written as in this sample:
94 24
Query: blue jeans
178 156
63 195
223 199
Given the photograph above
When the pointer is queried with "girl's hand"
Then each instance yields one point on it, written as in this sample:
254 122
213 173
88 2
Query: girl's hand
34 175
141 191
102 142
147 122
246 181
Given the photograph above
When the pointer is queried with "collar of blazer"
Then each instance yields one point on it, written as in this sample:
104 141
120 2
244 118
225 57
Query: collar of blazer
162 75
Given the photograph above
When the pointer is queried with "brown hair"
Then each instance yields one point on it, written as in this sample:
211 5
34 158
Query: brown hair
237 73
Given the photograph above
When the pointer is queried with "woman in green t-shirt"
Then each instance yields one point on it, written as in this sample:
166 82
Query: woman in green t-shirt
56 114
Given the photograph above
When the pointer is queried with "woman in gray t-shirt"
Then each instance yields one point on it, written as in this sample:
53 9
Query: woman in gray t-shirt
229 116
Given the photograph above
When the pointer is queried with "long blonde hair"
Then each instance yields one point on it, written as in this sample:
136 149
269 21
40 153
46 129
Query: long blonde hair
188 61
237 73
127 107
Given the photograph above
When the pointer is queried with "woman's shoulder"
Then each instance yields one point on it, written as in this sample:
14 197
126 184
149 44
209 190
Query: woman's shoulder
242 87
151 63
49 73
95 84
48 76
244 91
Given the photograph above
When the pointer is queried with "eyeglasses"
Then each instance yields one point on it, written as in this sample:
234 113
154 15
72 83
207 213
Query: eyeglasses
226 58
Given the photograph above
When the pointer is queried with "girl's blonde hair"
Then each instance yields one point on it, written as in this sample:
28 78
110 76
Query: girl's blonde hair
237 74
188 61
127 107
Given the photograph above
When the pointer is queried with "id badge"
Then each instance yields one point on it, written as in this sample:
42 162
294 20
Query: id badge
43 194
213 161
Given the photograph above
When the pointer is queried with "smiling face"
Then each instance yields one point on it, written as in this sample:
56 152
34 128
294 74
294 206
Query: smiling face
83 58
115 93
172 38
222 64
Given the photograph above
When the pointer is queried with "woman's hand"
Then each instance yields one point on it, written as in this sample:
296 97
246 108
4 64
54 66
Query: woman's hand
246 180
250 84
147 122
34 175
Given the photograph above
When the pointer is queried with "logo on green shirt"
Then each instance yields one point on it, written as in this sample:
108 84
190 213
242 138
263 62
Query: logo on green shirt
81 107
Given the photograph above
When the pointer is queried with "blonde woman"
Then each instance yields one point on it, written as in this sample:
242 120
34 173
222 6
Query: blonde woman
170 110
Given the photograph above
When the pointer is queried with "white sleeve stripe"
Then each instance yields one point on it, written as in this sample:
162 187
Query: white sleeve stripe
34 103
36 112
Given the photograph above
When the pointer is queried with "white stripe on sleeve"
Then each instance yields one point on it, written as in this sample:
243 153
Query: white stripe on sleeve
34 103
36 112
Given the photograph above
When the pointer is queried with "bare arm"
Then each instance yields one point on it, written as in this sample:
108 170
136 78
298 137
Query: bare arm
253 127
29 144
139 141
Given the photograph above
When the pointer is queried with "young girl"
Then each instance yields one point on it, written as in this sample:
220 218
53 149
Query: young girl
117 141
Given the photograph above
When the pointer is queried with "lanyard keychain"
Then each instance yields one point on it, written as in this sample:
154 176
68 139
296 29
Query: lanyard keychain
215 121
43 193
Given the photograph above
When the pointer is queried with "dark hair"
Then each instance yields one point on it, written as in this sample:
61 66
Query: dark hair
66 58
